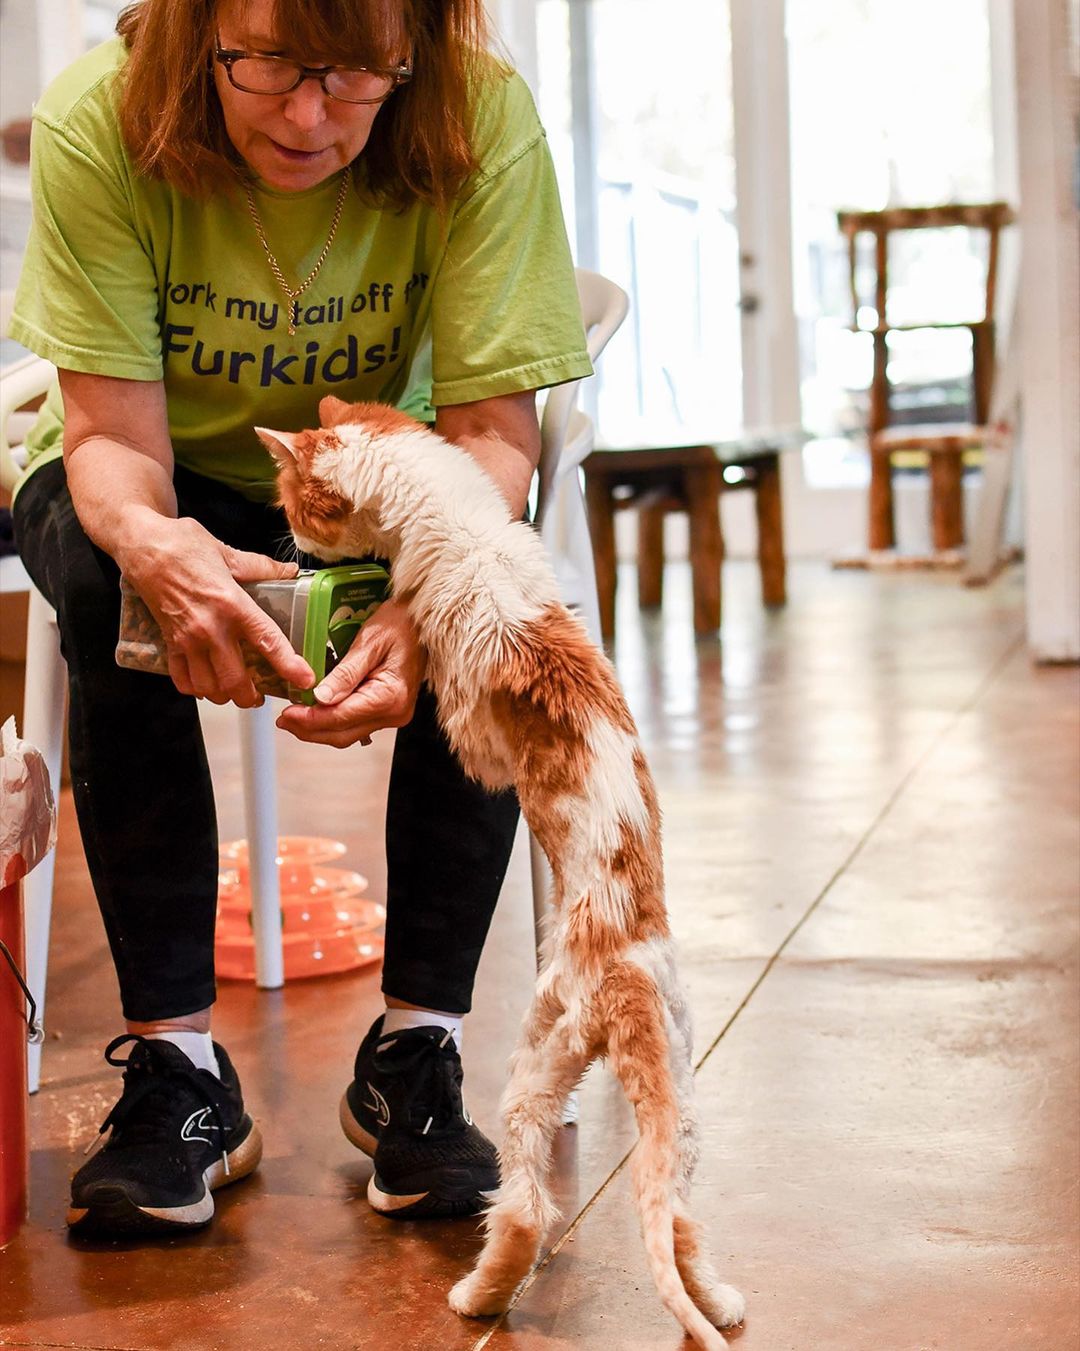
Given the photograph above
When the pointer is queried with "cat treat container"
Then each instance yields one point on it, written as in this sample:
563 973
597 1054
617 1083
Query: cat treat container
320 612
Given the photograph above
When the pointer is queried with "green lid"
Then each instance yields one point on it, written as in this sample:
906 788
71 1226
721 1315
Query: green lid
338 601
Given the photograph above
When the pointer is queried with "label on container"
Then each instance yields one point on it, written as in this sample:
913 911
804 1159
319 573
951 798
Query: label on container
339 601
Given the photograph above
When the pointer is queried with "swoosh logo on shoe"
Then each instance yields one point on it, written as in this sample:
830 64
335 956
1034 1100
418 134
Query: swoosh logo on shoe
378 1105
199 1121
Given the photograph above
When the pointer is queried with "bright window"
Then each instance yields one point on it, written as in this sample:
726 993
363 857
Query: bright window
890 106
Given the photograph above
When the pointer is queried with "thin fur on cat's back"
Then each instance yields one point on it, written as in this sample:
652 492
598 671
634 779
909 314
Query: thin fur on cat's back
527 699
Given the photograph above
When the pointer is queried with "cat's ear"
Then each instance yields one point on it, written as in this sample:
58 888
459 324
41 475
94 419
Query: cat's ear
333 411
282 445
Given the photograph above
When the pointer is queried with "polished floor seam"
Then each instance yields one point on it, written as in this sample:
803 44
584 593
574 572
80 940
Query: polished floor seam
894 797
965 708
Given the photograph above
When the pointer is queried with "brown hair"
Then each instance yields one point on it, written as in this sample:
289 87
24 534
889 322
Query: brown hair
420 146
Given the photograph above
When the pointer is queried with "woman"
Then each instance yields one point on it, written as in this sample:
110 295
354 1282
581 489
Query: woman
240 207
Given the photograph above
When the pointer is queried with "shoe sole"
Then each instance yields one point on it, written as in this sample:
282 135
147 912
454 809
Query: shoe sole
354 1132
447 1203
112 1211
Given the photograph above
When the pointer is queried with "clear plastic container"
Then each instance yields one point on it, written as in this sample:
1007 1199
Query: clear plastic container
320 612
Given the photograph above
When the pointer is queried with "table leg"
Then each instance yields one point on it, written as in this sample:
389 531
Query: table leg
946 501
882 531
703 497
770 523
601 508
650 523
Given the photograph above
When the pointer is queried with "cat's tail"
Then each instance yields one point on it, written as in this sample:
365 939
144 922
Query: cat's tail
639 1054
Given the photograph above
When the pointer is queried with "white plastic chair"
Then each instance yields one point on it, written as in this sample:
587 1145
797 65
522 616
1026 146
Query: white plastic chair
45 698
566 438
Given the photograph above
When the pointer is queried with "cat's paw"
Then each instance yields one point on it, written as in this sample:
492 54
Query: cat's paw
476 1299
728 1307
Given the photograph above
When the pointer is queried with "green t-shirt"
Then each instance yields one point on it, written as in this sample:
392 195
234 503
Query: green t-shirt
128 277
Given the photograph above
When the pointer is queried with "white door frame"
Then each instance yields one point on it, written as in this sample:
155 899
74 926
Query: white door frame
770 345
1049 317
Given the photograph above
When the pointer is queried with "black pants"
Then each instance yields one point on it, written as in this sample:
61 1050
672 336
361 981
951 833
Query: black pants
145 801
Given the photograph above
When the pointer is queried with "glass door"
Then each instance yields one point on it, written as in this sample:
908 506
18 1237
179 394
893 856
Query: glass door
636 96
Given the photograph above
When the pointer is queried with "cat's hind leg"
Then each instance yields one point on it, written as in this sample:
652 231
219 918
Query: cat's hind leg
649 1066
721 1304
544 1070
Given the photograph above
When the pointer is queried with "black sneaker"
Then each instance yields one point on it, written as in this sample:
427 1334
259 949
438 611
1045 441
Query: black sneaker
404 1109
176 1135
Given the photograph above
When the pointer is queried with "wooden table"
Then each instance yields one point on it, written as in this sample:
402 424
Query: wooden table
690 478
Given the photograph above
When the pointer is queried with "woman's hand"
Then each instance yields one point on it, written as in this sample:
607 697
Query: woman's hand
373 686
119 461
189 580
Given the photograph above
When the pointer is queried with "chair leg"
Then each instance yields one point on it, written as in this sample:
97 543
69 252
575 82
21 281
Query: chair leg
260 815
577 550
946 501
706 549
650 523
770 524
882 530
43 726
601 509
985 549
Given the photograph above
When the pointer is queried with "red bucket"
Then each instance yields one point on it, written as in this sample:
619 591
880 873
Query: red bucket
27 833
14 1150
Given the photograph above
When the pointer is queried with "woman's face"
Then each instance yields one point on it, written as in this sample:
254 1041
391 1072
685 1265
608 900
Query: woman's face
292 141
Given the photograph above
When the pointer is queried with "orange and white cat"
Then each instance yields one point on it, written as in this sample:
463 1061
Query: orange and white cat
527 699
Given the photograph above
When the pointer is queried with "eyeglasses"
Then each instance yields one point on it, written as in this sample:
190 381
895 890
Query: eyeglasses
254 73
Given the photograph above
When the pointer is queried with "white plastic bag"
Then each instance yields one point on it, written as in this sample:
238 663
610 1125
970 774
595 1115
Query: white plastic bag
27 810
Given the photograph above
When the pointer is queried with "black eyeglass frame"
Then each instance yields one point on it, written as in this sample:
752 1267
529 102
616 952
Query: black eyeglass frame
226 56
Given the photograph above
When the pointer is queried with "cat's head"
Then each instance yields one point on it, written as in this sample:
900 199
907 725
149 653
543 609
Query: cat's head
328 478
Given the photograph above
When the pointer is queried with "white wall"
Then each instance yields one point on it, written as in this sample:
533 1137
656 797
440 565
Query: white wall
38 38
514 22
1049 319
18 77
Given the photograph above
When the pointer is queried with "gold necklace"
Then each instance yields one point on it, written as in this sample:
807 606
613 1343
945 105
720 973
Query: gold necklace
293 293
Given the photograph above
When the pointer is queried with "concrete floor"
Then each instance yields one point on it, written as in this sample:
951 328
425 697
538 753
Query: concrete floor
872 850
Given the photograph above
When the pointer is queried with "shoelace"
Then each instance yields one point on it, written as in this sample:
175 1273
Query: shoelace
145 1068
434 1090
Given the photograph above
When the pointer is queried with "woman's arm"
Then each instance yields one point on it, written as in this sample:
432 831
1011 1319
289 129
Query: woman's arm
502 435
119 463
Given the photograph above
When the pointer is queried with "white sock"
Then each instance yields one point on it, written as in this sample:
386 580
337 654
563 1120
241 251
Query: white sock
197 1046
398 1020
